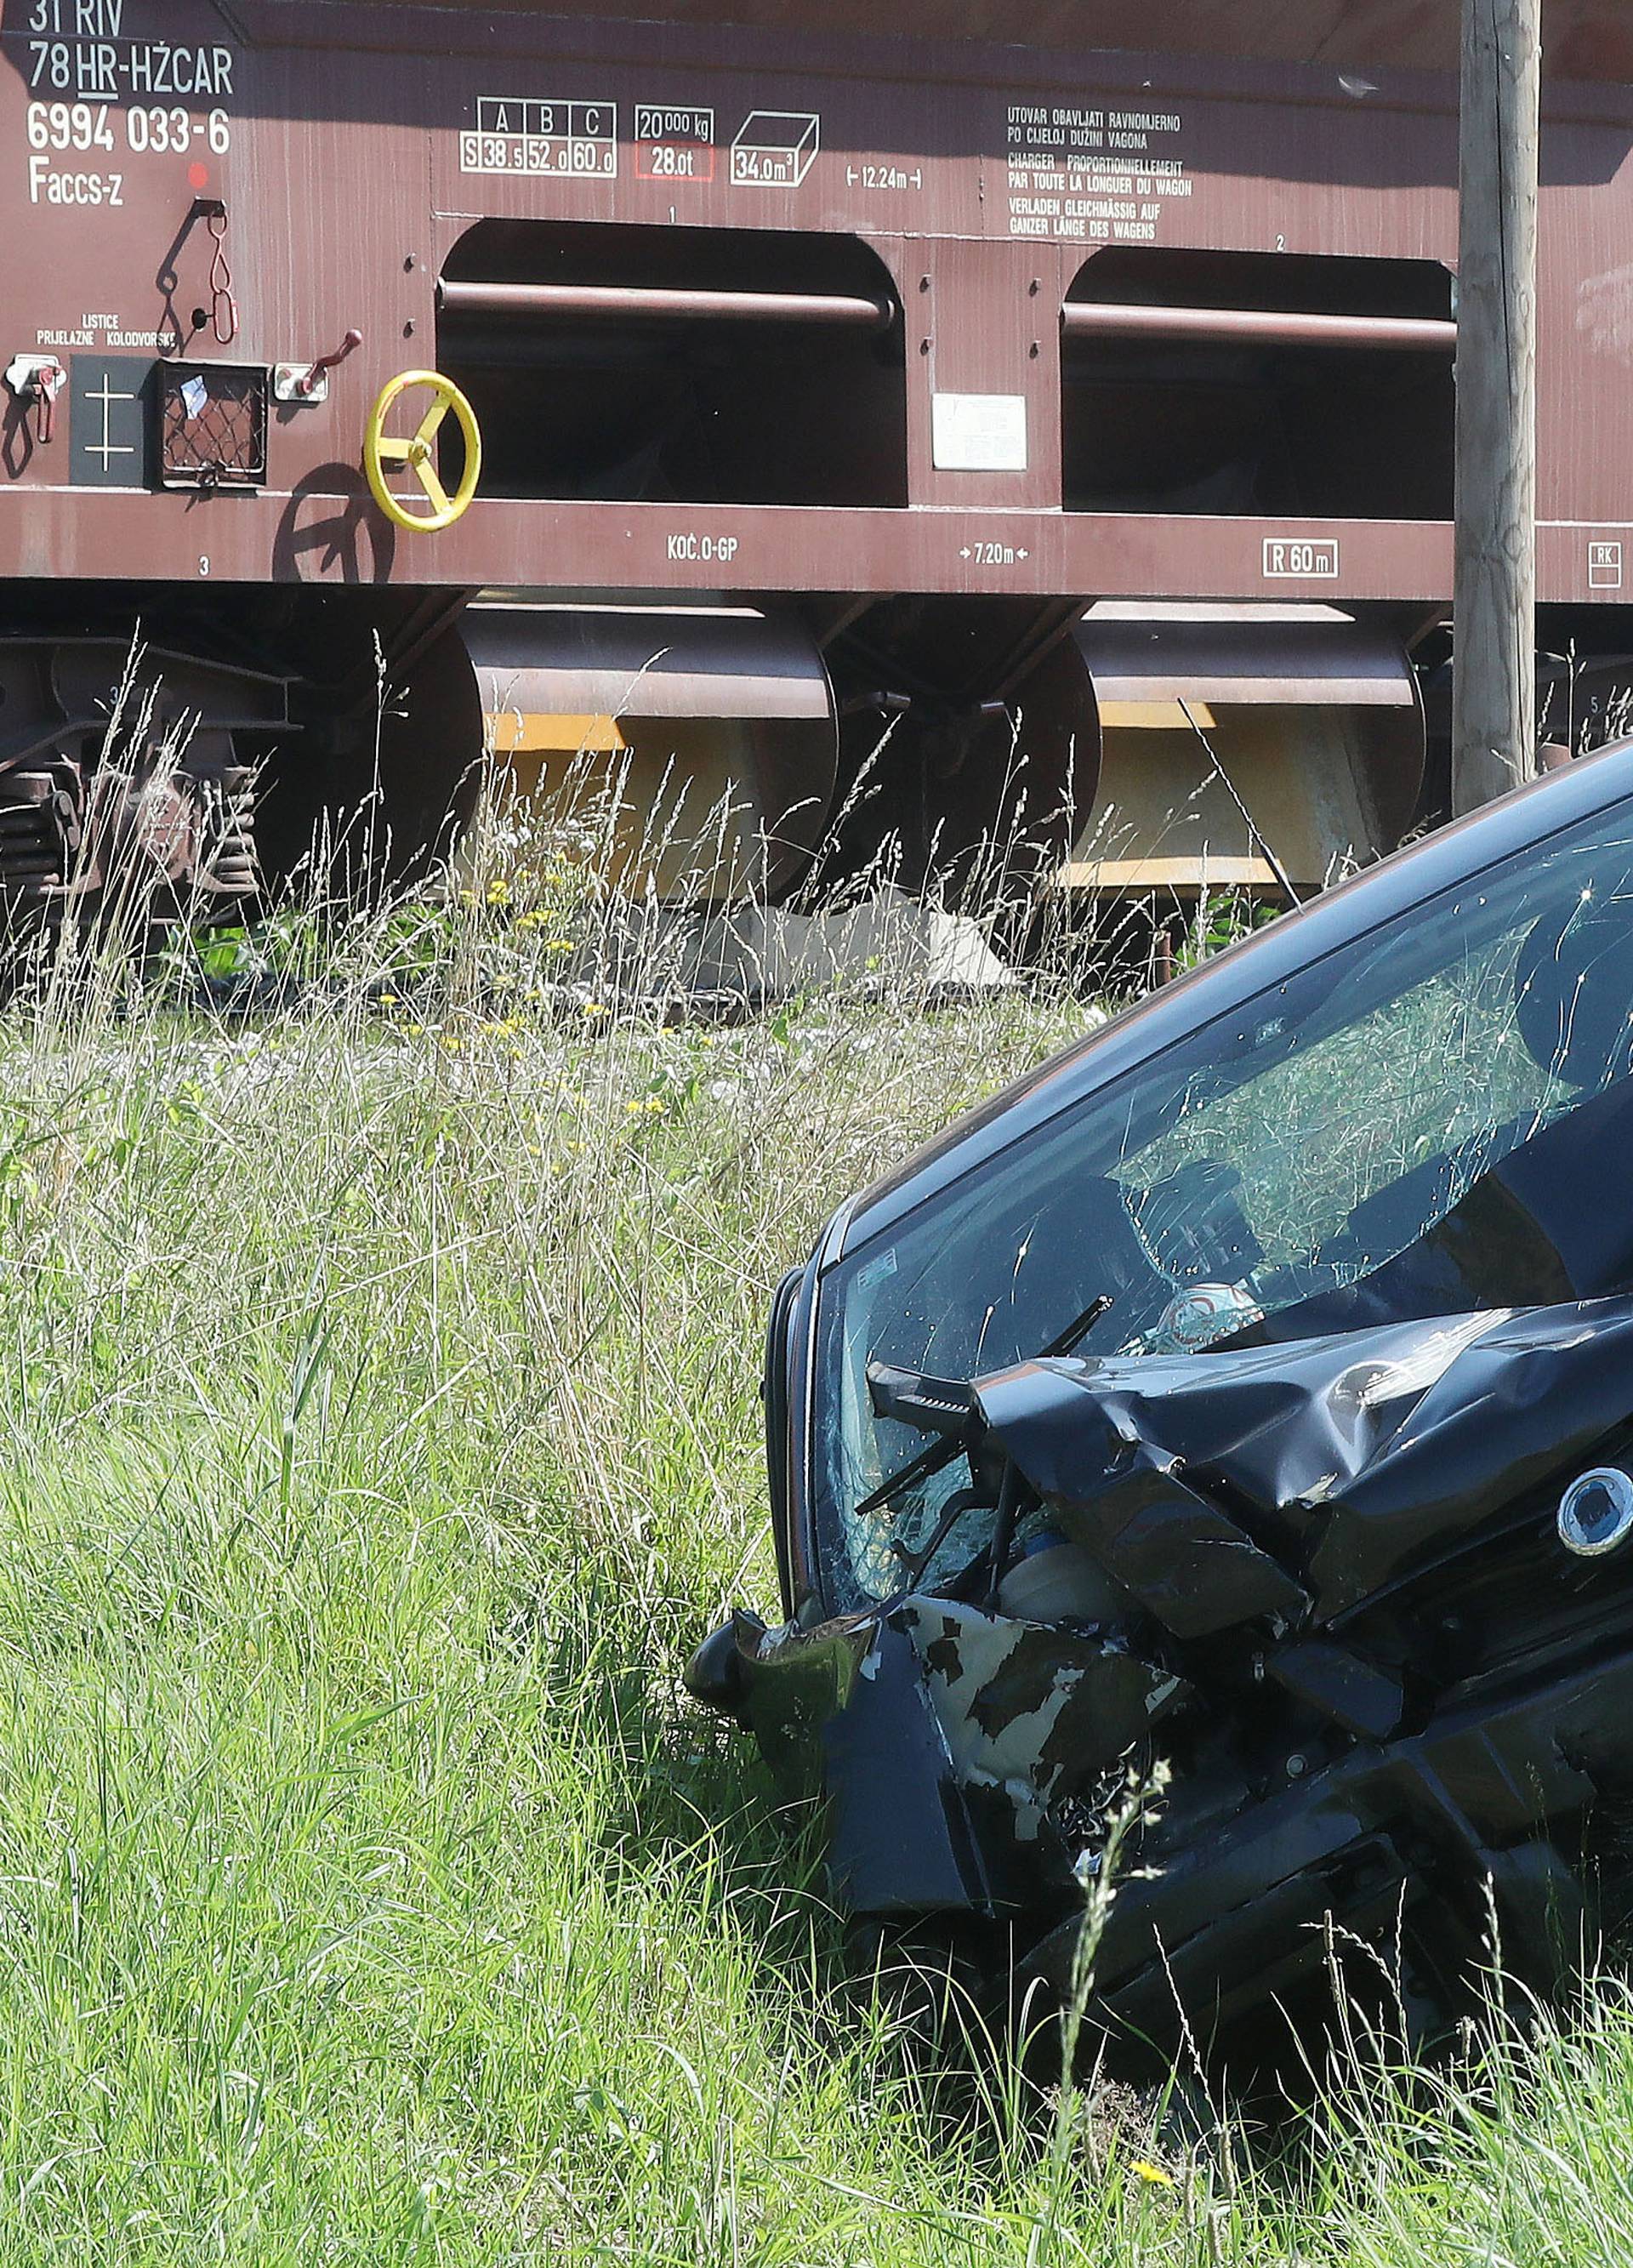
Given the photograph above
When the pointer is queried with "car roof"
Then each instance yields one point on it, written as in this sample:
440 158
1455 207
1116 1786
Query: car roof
1409 877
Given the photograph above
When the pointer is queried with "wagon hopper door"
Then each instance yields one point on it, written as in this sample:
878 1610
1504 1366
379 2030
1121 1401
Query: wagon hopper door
1302 718
696 747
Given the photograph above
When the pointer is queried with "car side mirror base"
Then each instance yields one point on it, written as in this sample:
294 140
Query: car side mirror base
714 1676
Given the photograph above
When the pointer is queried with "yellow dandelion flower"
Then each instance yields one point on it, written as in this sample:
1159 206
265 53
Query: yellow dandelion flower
1154 2174
595 1007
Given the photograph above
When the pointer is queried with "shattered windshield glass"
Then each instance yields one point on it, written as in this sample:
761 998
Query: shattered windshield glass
1388 1133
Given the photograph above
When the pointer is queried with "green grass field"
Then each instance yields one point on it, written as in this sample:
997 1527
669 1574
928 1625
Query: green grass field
380 1431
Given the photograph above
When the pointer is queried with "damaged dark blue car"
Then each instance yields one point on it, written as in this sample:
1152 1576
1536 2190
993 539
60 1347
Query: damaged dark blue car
1251 1388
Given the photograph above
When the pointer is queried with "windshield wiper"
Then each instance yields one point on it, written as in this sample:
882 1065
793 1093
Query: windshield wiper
1079 1329
915 1563
925 1466
913 1398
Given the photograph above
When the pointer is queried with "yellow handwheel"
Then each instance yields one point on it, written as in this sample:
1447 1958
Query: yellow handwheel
418 452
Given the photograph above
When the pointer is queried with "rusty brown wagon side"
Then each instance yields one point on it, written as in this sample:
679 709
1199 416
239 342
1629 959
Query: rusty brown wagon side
958 388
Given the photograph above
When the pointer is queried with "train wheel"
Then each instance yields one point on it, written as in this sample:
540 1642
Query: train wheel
368 799
979 799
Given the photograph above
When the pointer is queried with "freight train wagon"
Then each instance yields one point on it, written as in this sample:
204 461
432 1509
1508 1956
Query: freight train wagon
769 395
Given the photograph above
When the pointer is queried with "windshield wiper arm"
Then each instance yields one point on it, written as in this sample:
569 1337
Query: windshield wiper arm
914 1563
1079 1329
940 1454
924 1467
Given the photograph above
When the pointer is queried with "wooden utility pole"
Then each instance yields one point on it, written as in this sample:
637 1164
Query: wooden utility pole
1494 601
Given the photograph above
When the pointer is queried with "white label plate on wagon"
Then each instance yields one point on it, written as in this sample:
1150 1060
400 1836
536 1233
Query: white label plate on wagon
978 433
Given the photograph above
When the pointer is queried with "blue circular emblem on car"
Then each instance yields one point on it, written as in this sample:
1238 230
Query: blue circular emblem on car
1596 1511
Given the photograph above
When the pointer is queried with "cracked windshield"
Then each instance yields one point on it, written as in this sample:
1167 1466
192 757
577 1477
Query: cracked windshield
1282 1153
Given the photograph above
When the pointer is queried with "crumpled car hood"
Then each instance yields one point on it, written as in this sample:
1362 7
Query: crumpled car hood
1312 1524
1296 1480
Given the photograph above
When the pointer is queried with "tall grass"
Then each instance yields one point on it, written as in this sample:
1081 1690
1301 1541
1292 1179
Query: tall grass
378 1392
